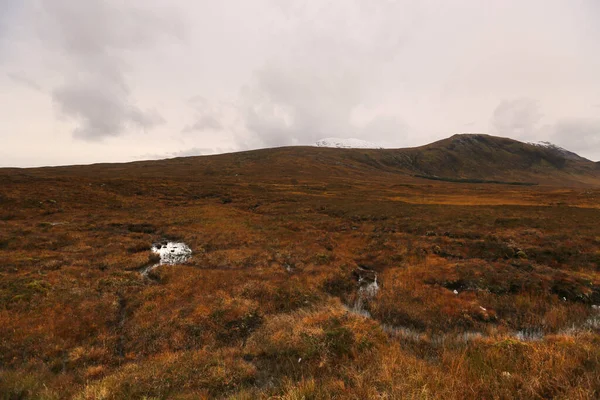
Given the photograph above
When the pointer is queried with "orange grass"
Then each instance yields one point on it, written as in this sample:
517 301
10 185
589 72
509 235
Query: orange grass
262 308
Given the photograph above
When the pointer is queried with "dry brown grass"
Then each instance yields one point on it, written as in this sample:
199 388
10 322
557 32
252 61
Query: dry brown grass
271 282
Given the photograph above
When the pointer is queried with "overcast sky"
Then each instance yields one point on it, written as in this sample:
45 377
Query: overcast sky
85 81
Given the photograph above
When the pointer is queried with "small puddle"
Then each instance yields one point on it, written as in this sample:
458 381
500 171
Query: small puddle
170 253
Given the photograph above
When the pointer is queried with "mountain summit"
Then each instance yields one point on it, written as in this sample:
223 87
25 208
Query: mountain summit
479 156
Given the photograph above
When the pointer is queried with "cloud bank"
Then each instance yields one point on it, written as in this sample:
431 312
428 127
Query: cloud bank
94 38
106 80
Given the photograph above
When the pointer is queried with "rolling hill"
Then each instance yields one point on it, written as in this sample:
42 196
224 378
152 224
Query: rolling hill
460 158
495 158
305 272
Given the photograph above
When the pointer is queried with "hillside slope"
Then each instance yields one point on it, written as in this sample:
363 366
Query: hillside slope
460 157
490 157
302 273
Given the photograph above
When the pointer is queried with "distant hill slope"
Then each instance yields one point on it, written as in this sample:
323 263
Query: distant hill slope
461 158
489 157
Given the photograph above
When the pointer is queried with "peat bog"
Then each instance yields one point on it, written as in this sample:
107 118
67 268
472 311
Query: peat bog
328 277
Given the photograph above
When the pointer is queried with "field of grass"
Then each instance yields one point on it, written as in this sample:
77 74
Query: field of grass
484 291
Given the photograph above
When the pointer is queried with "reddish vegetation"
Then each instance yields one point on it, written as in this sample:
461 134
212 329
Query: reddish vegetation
262 308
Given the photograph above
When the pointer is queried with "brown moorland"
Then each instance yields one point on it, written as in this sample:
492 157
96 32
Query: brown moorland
468 268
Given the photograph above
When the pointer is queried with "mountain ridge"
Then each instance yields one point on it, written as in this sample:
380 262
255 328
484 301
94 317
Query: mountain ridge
461 157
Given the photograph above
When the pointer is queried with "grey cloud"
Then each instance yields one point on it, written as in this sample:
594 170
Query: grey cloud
385 130
7 9
24 81
521 119
288 105
9 12
95 38
101 111
205 122
579 135
100 27
208 116
517 118
194 151
291 106
328 69
191 152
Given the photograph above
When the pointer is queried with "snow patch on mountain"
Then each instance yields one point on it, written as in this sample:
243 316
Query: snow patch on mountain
349 143
569 155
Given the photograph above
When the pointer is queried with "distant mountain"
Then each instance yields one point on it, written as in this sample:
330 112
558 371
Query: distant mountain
479 156
349 143
475 158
